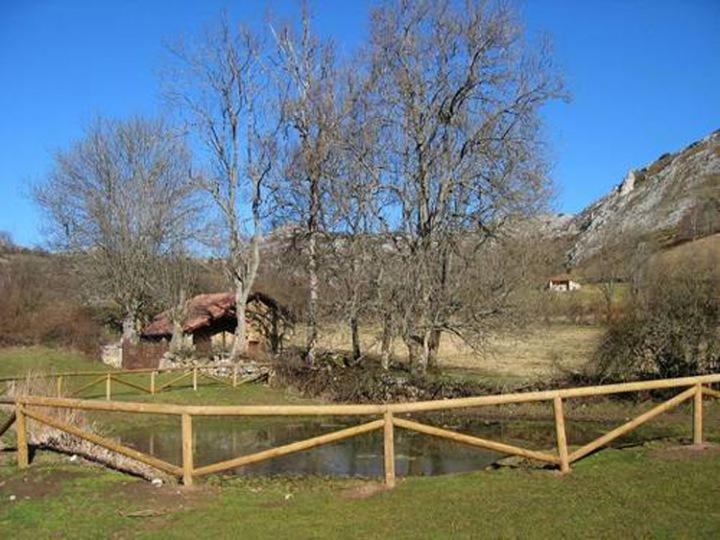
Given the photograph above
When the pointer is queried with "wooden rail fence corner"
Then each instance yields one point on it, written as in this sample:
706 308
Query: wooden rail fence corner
386 418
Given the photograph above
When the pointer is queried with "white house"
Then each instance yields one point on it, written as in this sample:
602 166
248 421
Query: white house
562 284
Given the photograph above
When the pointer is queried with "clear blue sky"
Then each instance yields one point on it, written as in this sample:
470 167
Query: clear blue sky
645 79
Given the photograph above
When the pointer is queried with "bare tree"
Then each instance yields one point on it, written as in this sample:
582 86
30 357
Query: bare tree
390 300
610 270
176 282
354 207
220 84
119 199
306 71
618 266
460 95
6 241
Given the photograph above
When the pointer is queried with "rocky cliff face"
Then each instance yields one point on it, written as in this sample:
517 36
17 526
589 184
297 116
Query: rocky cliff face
676 196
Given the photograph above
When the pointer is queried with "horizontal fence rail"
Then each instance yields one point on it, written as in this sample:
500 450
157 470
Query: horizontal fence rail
692 388
207 372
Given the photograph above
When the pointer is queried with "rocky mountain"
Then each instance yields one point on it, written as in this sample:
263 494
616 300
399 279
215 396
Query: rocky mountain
673 199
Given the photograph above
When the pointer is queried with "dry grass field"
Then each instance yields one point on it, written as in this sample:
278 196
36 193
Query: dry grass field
702 250
532 354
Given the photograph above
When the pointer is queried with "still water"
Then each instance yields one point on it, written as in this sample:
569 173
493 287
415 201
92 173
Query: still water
218 439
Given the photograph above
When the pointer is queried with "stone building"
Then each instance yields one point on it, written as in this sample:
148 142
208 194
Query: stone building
211 320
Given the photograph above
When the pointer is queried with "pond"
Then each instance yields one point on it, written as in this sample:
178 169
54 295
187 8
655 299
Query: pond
218 439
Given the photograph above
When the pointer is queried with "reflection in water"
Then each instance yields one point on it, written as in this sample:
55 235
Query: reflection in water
218 439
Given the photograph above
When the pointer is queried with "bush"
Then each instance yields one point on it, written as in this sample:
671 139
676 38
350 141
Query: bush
40 304
671 329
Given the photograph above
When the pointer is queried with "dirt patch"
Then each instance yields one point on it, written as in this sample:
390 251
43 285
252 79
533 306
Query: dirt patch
364 491
137 498
689 451
150 508
36 486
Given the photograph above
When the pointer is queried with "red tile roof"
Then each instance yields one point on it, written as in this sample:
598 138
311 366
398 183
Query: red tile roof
202 310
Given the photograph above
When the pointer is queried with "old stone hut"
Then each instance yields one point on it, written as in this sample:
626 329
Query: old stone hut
211 320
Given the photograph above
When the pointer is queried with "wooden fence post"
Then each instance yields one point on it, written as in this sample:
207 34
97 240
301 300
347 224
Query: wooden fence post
560 435
389 449
152 381
698 415
187 450
21 436
108 385
59 383
195 379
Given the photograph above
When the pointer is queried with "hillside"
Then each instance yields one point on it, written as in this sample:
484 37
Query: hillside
694 254
672 200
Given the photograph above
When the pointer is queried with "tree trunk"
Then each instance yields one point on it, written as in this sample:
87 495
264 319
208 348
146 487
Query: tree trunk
176 341
312 337
415 354
275 333
129 332
355 334
354 308
433 347
424 358
386 341
178 314
239 346
608 293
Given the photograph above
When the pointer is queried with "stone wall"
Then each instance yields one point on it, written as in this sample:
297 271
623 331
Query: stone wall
112 355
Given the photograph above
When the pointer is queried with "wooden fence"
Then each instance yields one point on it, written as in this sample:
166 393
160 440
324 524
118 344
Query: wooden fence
197 374
387 419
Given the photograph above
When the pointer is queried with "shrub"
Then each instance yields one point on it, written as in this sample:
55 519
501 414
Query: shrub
337 377
671 329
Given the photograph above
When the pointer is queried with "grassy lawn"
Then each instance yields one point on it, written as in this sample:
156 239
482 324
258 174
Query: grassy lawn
15 361
634 493
208 392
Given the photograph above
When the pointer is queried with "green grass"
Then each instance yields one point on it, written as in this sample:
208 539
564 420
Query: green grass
614 494
208 393
15 361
